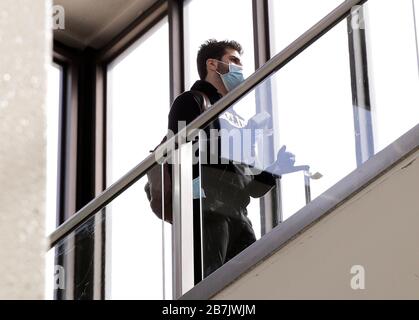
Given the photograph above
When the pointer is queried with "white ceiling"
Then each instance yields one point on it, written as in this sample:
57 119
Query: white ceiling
95 22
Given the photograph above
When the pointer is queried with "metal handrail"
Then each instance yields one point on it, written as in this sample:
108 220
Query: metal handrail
273 65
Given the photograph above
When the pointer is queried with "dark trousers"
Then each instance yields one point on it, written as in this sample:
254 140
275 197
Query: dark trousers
223 238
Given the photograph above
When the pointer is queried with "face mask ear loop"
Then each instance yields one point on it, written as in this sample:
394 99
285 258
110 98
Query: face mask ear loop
221 75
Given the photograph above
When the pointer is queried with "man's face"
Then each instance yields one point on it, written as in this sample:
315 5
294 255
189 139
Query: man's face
231 56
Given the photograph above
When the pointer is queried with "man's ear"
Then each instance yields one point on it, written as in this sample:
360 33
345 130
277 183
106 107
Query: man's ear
211 65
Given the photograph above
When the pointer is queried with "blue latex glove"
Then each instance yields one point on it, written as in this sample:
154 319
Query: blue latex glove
284 163
195 189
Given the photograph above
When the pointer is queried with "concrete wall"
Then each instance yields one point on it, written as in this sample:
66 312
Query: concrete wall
24 51
377 229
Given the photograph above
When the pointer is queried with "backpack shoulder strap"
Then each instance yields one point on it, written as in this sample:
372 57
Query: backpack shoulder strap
206 103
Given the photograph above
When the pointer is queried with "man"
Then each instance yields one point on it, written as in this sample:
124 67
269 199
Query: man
226 187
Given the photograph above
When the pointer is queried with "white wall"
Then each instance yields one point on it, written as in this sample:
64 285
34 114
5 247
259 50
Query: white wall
25 52
378 229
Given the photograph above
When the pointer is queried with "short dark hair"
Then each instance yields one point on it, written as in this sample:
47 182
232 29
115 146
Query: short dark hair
213 49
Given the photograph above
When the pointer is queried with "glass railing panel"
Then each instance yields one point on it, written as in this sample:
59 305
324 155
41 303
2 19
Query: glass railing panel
304 129
137 241
295 141
315 116
122 252
51 271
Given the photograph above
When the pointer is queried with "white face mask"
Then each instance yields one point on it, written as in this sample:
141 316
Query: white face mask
234 77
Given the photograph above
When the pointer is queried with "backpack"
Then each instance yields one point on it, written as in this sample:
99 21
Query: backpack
154 190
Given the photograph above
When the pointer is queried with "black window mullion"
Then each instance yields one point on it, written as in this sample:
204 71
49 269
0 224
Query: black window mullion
270 204
176 48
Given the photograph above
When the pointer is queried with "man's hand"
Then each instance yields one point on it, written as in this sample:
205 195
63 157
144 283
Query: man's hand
285 163
284 158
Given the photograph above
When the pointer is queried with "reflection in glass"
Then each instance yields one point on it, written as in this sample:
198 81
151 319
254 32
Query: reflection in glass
313 148
231 175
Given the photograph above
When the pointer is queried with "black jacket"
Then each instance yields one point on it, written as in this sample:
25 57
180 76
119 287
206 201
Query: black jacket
222 183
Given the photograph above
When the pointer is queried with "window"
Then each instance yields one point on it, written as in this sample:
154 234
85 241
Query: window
291 18
54 94
393 65
138 101
314 116
221 20
138 105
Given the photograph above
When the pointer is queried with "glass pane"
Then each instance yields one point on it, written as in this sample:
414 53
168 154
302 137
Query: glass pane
138 96
393 68
233 22
54 92
137 265
246 109
232 182
134 248
318 125
50 271
291 18
415 4
299 142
